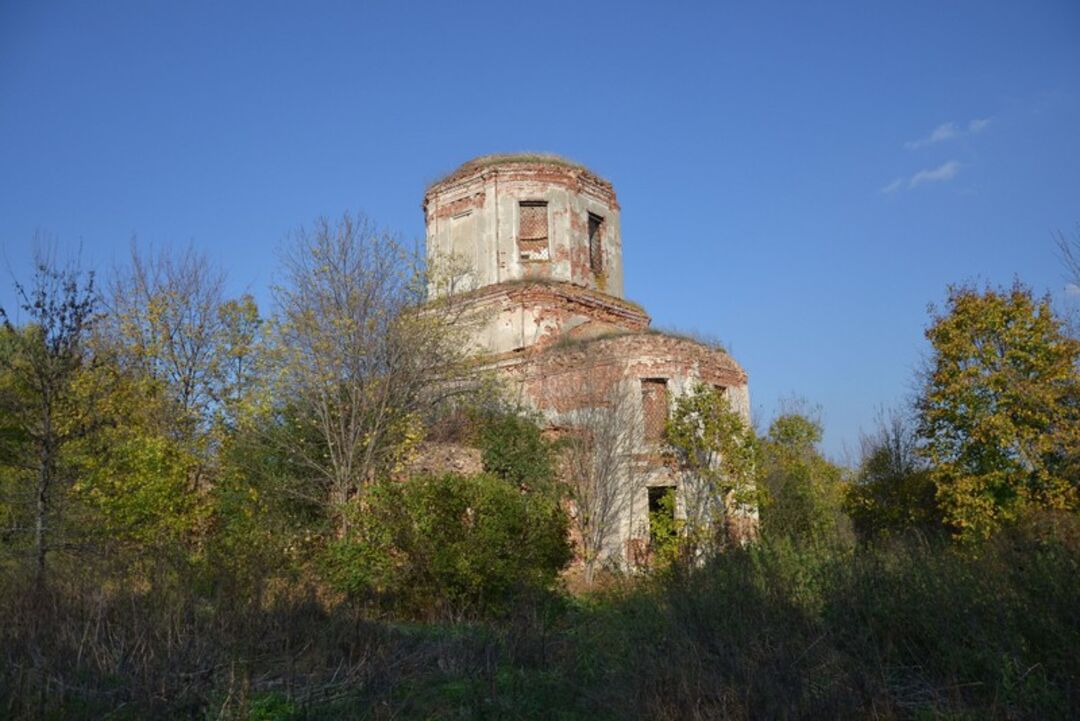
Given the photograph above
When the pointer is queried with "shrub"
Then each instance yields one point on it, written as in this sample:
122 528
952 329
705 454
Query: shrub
450 546
515 450
888 631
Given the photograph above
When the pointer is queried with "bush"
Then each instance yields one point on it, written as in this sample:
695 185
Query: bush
451 546
904 630
515 450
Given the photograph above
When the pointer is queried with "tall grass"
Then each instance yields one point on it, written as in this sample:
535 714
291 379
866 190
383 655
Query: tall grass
914 629
909 630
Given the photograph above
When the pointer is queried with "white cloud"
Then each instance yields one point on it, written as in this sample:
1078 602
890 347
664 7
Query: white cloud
945 131
945 171
948 131
893 186
1072 289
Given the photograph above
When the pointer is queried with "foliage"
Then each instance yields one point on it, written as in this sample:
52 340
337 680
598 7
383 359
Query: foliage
356 356
892 492
778 630
999 413
803 492
179 466
134 479
266 518
198 355
718 454
241 344
772 630
452 546
514 449
165 323
667 532
40 411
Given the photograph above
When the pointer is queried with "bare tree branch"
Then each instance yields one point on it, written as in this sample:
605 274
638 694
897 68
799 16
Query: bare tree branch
359 356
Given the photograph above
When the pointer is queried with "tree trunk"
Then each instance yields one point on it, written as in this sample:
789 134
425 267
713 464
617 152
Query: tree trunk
44 478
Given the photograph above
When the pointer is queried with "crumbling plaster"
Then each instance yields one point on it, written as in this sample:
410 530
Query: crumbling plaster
484 205
558 333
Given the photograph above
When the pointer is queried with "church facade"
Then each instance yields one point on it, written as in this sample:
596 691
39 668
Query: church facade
534 249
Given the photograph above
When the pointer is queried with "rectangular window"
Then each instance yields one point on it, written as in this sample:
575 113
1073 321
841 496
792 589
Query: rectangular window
533 230
654 407
596 247
661 514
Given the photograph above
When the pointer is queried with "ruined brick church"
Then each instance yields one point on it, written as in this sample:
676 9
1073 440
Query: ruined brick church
536 244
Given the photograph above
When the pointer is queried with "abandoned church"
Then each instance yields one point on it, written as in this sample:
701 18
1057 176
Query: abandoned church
537 252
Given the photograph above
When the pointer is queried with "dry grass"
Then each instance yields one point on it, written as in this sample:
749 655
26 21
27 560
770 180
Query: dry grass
485 161
913 630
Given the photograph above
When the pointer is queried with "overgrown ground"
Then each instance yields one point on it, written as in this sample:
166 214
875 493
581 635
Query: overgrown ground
915 629
207 513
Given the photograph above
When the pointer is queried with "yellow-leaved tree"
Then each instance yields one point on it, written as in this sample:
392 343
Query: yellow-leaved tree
999 414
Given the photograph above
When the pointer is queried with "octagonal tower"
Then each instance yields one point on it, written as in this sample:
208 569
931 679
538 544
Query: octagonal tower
503 218
529 245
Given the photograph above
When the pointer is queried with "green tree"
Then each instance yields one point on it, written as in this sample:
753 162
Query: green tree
359 355
803 491
40 363
893 491
165 321
131 474
169 323
717 452
999 413
240 343
266 518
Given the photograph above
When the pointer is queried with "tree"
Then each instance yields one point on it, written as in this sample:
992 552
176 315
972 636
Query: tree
170 325
41 362
132 477
1069 252
242 358
999 413
803 491
166 320
717 452
893 491
599 459
359 354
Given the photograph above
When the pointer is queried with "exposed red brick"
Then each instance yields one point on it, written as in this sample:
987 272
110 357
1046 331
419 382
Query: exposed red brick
654 403
456 207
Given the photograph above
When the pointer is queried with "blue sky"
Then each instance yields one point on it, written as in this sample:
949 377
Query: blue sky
798 180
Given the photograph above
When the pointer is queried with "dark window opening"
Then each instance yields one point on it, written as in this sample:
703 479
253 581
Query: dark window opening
596 246
533 230
661 514
654 407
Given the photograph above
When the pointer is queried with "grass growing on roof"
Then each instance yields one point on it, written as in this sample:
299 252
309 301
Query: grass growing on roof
485 161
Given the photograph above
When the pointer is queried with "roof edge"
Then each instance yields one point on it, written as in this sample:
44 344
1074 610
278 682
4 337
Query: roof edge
493 160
